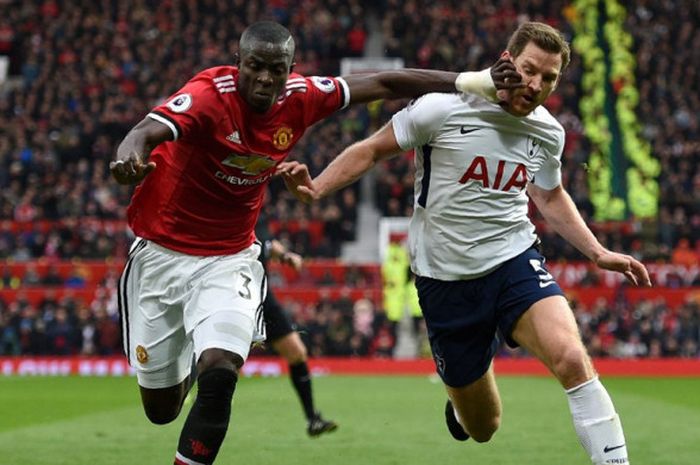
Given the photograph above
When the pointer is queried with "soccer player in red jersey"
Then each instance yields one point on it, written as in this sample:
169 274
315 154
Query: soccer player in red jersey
192 285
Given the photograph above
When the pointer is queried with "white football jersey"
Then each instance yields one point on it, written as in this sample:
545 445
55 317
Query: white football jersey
473 163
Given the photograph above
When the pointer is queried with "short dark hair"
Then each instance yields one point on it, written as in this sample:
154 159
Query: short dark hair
544 36
266 31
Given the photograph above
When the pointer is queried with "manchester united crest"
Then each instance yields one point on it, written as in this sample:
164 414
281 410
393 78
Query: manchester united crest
141 354
282 138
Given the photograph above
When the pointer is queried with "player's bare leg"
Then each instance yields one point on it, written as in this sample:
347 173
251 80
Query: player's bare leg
548 330
163 405
294 352
478 406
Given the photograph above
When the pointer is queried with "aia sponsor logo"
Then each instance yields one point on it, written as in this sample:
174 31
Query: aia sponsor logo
506 177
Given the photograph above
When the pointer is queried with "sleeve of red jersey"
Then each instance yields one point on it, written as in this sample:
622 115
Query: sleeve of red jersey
192 109
324 95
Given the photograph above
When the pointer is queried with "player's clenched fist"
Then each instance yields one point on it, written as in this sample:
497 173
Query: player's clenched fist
130 170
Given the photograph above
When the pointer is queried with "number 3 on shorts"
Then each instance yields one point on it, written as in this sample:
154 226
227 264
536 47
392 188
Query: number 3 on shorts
245 291
545 278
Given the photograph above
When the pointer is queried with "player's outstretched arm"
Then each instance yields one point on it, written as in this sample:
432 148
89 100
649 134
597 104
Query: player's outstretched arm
561 214
409 83
130 166
346 168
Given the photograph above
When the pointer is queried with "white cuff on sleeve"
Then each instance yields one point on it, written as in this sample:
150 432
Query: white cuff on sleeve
477 82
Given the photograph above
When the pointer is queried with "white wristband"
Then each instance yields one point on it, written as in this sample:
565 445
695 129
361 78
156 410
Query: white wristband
477 82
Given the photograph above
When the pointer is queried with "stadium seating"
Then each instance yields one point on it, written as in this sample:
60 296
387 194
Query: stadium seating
81 74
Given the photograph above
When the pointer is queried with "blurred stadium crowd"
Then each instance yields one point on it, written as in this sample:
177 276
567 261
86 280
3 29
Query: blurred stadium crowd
86 71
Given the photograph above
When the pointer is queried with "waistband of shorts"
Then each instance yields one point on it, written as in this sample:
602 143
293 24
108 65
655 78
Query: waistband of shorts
248 250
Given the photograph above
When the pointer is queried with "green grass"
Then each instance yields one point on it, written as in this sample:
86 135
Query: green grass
383 421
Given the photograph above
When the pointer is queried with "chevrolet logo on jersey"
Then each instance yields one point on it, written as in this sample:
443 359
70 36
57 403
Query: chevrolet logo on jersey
252 164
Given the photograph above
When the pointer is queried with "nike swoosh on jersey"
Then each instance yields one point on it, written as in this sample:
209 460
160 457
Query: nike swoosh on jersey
548 283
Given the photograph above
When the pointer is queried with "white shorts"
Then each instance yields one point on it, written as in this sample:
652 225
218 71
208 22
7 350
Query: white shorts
174 306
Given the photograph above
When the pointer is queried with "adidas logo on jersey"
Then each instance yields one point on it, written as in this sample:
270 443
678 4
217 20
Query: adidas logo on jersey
234 137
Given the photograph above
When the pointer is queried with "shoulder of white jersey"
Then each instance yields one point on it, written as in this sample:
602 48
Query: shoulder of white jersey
434 98
433 107
544 115
423 118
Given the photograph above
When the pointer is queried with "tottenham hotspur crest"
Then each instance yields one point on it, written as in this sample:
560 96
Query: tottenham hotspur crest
440 364
534 145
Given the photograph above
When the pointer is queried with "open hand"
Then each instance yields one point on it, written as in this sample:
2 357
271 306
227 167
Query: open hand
292 259
635 272
298 180
505 75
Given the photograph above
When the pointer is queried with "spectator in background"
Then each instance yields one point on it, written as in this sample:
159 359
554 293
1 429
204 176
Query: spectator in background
52 278
9 280
31 276
108 333
683 254
9 339
394 276
62 334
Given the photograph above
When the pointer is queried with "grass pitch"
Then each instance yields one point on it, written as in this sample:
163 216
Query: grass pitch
383 421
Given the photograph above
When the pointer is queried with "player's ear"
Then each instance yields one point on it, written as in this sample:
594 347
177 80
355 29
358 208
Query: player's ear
291 67
236 59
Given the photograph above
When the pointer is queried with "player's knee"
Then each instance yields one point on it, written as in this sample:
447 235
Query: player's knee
572 366
217 383
486 429
217 358
297 354
160 414
291 348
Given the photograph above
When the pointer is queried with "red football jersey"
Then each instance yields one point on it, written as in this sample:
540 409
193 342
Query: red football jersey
206 192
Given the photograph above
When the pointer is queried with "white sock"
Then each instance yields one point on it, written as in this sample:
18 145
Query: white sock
597 424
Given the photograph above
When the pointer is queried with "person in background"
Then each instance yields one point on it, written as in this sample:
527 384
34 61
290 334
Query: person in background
282 335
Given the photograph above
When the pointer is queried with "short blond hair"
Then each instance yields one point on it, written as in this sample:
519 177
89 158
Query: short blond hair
544 36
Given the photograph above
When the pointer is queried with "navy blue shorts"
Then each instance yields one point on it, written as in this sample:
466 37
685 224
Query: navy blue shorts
465 317
277 322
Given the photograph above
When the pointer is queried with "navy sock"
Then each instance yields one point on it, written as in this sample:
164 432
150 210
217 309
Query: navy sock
301 380
207 422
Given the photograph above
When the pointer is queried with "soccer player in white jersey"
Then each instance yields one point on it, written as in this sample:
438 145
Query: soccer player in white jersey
474 249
